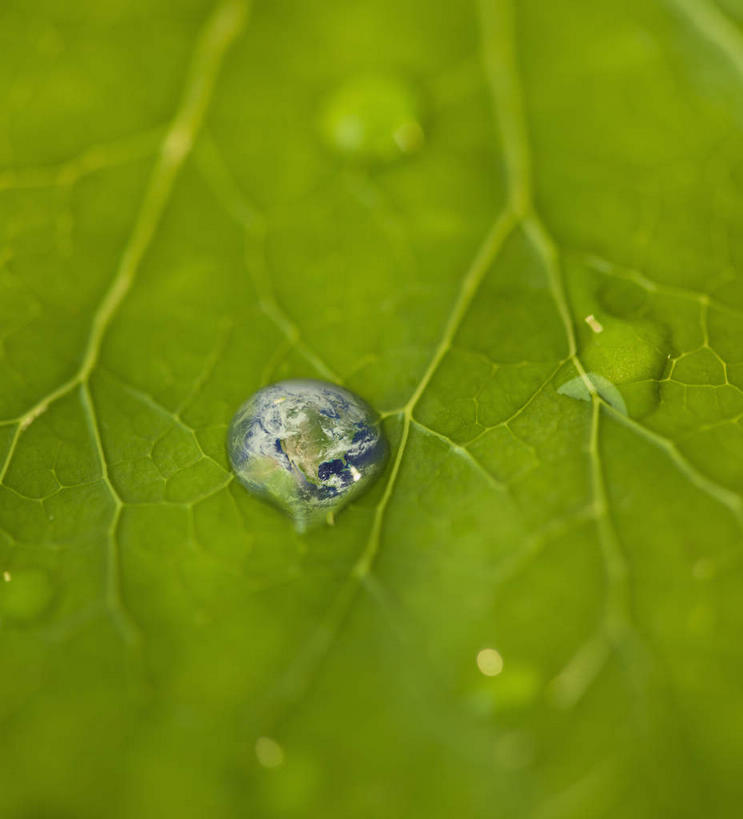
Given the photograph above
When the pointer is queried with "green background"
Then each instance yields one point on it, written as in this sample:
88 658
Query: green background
175 232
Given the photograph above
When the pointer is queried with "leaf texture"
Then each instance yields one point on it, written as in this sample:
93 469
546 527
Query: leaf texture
544 301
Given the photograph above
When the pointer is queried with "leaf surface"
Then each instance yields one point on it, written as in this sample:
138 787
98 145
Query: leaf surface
543 298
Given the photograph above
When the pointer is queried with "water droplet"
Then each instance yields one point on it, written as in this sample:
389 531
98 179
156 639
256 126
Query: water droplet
490 662
577 388
373 117
624 361
25 594
268 752
308 446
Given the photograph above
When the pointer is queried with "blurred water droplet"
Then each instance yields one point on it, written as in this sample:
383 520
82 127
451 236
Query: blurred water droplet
490 662
268 752
307 446
373 117
25 594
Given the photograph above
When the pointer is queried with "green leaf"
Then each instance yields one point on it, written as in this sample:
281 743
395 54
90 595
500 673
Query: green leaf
456 210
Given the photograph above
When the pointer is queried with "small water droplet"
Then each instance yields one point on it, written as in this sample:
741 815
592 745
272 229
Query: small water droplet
25 595
307 446
577 388
373 117
268 752
490 662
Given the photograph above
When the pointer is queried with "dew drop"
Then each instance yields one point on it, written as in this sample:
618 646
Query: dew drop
577 388
307 446
25 594
373 117
268 752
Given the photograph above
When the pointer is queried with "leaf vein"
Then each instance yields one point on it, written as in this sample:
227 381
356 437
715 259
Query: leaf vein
712 24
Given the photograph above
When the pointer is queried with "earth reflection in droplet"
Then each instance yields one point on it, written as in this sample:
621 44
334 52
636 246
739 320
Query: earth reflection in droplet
307 446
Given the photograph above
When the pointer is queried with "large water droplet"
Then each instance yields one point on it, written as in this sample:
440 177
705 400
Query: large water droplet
25 594
373 117
307 446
